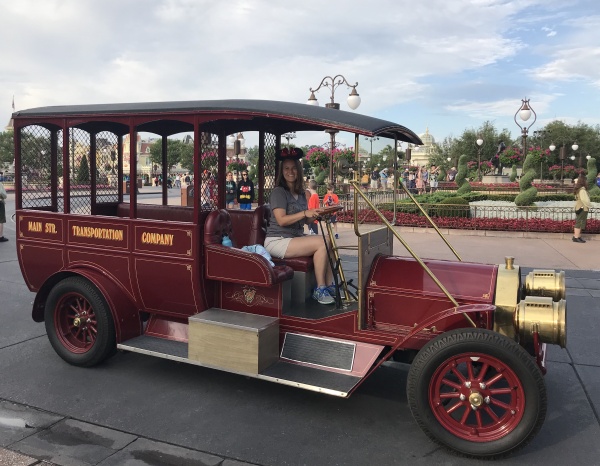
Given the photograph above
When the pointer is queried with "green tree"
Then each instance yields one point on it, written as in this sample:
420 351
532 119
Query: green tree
175 148
186 158
6 147
560 134
83 174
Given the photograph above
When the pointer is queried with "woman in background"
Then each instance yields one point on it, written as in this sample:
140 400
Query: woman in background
582 206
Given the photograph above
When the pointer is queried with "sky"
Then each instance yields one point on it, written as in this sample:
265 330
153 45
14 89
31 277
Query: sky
441 65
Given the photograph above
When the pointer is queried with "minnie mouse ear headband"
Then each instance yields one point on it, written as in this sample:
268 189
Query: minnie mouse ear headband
289 154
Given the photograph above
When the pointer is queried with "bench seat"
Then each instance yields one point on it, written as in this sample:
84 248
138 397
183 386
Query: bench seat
234 265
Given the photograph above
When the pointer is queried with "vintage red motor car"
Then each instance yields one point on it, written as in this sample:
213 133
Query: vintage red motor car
112 271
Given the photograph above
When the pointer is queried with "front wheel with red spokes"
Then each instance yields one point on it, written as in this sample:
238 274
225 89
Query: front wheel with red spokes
477 392
79 323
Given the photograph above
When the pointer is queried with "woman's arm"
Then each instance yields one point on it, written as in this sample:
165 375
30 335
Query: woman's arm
284 220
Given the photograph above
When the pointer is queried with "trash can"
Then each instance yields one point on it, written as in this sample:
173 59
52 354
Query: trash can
187 196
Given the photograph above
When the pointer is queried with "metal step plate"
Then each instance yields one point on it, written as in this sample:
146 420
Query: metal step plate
156 347
310 378
318 351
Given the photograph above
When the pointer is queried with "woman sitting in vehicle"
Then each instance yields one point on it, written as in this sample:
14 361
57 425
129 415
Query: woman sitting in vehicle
289 213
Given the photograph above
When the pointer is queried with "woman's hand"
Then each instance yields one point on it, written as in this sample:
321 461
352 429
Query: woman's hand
312 213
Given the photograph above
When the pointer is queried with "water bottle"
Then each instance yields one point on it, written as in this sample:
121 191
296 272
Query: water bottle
226 241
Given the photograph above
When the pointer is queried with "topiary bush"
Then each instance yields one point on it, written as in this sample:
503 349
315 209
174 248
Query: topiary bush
461 177
513 173
592 173
528 192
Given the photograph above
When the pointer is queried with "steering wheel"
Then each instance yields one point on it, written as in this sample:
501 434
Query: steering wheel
325 211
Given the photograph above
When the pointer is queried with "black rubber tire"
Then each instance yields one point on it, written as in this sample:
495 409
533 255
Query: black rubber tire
78 350
488 344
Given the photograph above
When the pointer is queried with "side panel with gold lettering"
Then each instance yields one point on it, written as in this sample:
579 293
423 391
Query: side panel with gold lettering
164 268
90 233
40 246
46 228
170 240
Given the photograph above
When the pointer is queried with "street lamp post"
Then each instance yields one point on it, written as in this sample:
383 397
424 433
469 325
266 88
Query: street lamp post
541 133
288 137
575 146
353 102
371 142
479 144
524 113
552 147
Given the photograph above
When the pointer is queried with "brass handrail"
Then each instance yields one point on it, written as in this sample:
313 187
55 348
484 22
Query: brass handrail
430 220
358 191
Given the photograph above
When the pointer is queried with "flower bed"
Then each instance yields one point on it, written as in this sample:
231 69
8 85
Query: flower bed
521 223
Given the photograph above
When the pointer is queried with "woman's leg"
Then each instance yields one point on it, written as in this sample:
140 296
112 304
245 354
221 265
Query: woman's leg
315 247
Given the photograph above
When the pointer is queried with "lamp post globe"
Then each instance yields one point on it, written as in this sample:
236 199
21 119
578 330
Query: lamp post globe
575 146
525 112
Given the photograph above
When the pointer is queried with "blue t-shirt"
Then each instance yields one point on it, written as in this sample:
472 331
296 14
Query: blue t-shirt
283 199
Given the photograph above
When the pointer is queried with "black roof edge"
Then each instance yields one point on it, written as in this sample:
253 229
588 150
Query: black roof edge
297 117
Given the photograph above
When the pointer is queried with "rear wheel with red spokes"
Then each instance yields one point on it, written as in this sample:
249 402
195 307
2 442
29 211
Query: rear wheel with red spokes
477 392
79 323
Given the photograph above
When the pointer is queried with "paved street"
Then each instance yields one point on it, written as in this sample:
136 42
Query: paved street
139 410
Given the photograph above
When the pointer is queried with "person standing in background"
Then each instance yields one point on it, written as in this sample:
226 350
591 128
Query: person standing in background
230 191
331 199
582 206
384 179
374 179
419 181
312 198
245 192
433 178
3 197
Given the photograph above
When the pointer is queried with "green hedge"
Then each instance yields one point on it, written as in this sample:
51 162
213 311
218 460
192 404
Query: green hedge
453 207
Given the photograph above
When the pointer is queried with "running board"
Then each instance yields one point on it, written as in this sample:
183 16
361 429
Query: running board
286 373
248 344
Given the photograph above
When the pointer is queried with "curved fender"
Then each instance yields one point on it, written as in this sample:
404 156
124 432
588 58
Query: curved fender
466 309
124 311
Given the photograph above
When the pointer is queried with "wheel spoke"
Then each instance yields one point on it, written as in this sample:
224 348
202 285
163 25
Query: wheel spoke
478 418
495 402
459 375
494 379
470 370
454 407
92 337
500 391
483 371
445 396
463 420
451 384
491 413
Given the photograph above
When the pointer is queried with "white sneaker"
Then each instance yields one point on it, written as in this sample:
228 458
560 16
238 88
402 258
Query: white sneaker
322 296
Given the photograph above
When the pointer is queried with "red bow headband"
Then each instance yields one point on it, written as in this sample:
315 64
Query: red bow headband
294 153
